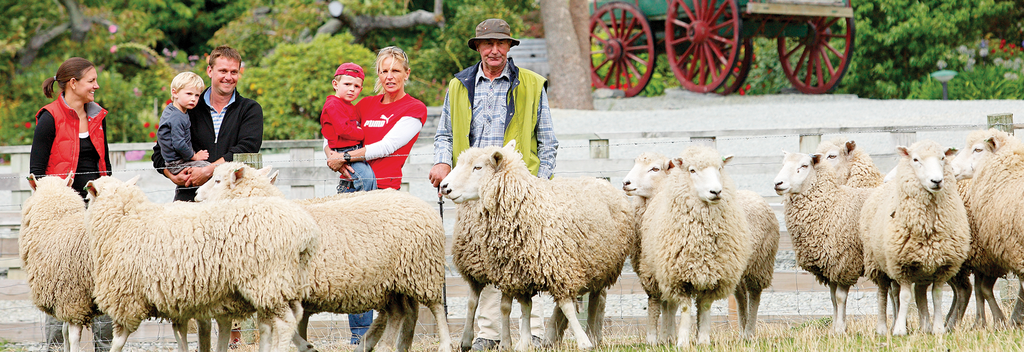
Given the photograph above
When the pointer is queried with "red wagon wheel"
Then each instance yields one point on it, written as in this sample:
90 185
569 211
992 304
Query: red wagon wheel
622 48
702 41
738 74
815 63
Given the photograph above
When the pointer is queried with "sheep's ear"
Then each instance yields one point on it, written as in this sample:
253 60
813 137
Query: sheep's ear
850 145
669 165
950 151
511 145
498 156
91 188
32 181
675 162
236 176
133 180
273 176
726 159
993 143
902 151
265 170
816 158
71 180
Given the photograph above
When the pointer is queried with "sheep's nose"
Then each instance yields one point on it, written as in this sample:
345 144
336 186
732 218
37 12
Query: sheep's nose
716 192
777 184
625 183
937 183
445 190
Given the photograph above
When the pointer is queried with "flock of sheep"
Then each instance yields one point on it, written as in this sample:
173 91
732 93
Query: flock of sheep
692 237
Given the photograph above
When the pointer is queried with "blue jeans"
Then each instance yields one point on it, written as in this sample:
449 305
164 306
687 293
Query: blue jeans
358 324
362 178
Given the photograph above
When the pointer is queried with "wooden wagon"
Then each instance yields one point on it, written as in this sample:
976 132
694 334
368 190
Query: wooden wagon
709 46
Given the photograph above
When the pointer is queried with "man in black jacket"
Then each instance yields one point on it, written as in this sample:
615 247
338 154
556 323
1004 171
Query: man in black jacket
223 123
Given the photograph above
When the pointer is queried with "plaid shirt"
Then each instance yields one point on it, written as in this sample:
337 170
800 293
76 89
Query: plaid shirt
487 127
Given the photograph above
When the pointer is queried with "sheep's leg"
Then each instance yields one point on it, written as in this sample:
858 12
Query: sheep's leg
1017 317
223 333
568 307
181 334
881 327
667 330
526 307
900 325
120 337
386 317
937 327
556 328
266 328
595 315
841 293
741 307
683 337
979 297
65 331
203 331
986 286
704 320
284 326
921 299
835 308
407 326
437 309
471 304
653 314
506 325
301 339
894 296
753 304
74 338
961 297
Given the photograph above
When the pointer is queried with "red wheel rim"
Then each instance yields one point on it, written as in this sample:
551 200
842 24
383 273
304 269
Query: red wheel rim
817 62
622 48
738 74
702 40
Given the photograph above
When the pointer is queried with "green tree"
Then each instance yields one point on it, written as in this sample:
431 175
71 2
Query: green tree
900 41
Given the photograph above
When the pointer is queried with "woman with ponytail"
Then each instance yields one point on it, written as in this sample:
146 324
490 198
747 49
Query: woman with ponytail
70 140
70 132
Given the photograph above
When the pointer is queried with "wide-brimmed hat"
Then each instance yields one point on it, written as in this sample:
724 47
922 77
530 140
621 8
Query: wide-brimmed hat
492 28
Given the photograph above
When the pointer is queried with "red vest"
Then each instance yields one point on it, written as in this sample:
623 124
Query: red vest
64 153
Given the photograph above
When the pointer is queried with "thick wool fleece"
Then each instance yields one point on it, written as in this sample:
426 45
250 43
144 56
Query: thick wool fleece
910 234
373 245
196 259
822 222
997 203
764 232
696 248
526 234
54 250
978 259
857 170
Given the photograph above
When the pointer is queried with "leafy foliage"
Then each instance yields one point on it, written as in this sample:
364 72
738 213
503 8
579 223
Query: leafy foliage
275 22
292 83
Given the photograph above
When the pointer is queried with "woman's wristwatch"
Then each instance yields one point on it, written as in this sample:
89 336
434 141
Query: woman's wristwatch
348 158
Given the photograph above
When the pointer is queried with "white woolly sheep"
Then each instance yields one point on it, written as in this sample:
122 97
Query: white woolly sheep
369 258
915 231
186 260
696 240
822 217
979 149
525 234
853 167
643 181
54 250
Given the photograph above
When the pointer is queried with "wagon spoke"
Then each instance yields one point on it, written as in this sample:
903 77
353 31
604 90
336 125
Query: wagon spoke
633 38
689 13
714 61
718 12
725 24
603 62
634 72
790 53
828 62
626 31
827 45
803 57
830 23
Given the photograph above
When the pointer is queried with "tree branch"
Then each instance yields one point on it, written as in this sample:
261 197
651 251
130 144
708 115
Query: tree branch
28 53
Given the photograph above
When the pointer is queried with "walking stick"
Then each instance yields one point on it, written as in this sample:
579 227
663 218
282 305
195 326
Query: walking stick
444 288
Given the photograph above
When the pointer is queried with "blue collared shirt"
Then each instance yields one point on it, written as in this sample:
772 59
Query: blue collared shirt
487 127
218 116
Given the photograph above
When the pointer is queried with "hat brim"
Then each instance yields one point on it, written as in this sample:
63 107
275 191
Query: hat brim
472 41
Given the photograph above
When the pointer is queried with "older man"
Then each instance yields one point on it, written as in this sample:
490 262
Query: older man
490 104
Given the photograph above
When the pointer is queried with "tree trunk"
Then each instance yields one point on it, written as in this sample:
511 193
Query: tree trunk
569 86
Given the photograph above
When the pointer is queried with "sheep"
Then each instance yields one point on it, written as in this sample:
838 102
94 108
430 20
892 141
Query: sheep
380 250
822 217
696 240
979 149
853 167
644 180
915 231
54 251
220 260
525 234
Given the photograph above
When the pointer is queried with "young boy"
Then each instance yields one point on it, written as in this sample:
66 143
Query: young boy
174 134
340 126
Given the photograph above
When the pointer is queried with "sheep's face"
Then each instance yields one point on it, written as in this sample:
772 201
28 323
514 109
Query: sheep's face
797 173
928 162
108 186
227 182
649 170
474 166
981 145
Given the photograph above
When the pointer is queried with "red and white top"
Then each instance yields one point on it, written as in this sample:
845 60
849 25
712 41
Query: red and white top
377 120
